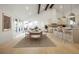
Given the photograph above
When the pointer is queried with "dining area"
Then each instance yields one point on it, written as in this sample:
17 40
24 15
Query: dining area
35 33
47 29
35 38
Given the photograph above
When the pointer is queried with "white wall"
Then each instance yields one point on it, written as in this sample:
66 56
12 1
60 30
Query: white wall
4 36
11 34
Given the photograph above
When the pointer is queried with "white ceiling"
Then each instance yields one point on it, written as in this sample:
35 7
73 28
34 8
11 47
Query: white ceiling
67 7
21 10
30 10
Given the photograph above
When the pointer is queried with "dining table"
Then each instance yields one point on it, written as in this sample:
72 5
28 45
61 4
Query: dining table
35 34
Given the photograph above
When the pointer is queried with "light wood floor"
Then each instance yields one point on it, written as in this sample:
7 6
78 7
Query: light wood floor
61 47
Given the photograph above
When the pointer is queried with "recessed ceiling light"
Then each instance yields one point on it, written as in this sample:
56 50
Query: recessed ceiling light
61 6
27 8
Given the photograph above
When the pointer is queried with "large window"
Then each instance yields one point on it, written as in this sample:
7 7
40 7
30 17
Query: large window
31 24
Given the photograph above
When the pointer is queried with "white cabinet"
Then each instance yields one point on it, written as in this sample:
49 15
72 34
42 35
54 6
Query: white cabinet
71 35
68 35
76 35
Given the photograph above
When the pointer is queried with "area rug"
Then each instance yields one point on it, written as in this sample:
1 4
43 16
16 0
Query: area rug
43 42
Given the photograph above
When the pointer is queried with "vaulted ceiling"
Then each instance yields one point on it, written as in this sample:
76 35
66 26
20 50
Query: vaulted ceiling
58 7
28 10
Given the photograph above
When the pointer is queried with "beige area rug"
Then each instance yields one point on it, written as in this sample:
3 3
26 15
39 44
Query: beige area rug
43 42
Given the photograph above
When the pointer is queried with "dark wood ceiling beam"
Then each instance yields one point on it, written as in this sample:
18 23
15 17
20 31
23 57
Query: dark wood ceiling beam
46 7
51 5
39 6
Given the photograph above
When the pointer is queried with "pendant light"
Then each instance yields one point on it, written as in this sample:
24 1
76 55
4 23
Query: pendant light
71 14
63 12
